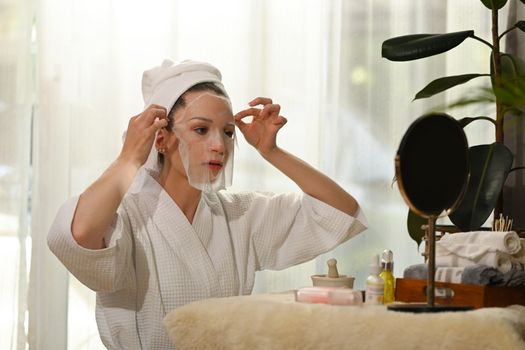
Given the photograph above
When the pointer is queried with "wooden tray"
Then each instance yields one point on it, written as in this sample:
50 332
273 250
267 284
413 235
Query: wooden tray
410 290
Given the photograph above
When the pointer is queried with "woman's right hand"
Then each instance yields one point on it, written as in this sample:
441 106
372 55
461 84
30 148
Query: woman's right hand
141 134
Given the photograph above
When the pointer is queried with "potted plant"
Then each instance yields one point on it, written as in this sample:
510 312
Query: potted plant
489 164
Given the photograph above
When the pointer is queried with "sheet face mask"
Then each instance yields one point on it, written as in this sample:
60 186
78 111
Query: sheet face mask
206 134
163 85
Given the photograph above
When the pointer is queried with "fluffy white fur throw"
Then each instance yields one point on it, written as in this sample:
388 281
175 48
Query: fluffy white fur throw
275 321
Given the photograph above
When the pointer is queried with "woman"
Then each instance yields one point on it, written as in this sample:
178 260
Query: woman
156 231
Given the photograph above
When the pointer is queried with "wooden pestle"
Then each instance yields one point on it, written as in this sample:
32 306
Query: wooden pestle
332 268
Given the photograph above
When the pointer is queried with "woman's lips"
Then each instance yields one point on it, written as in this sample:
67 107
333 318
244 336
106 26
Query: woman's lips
215 165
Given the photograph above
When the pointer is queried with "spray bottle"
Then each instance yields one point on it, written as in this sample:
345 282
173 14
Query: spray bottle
387 265
374 284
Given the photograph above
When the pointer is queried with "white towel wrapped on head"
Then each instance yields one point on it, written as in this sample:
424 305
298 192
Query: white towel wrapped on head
164 84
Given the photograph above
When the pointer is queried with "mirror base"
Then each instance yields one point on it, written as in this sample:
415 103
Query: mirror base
426 308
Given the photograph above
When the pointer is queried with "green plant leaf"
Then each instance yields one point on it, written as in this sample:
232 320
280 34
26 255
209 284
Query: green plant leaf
413 47
497 4
414 223
511 92
479 96
467 101
489 167
521 24
512 66
466 121
445 83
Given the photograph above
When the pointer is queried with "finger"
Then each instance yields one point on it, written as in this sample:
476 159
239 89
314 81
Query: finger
133 119
152 113
155 106
241 125
271 109
158 124
248 112
155 109
260 101
280 120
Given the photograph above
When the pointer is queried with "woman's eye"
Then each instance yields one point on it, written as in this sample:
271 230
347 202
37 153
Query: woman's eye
229 133
201 131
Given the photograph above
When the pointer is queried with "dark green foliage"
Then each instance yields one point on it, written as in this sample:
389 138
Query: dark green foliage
413 47
445 83
414 223
489 167
497 4
489 164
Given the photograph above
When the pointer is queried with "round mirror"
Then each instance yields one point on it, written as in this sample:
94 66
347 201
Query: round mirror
432 171
432 164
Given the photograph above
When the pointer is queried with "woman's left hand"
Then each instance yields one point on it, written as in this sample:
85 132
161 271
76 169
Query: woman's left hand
261 132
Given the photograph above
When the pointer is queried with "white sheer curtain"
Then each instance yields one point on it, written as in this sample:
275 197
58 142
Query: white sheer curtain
16 110
321 60
90 64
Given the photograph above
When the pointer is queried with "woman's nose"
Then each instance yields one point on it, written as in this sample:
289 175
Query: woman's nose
217 145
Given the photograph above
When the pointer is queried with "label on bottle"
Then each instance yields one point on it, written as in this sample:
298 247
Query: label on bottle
374 294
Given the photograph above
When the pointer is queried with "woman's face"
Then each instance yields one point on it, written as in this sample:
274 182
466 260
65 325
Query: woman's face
205 131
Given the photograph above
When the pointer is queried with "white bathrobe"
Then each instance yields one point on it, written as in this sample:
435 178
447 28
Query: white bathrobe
156 260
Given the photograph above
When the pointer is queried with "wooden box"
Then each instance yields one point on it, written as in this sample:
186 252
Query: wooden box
411 290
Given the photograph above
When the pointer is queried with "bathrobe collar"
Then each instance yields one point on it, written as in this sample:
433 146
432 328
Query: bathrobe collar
185 239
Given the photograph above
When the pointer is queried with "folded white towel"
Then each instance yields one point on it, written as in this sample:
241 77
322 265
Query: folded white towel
476 243
449 274
468 250
498 260
520 255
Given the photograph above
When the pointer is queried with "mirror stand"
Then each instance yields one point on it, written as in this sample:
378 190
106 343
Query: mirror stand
430 306
431 237
431 141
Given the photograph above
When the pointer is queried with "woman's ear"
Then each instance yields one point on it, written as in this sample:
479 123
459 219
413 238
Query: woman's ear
165 140
160 140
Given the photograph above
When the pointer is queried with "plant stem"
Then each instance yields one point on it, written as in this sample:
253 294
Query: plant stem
505 32
497 84
483 41
496 56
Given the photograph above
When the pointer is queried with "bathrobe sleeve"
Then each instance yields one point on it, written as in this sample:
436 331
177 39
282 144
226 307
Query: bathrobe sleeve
288 229
102 270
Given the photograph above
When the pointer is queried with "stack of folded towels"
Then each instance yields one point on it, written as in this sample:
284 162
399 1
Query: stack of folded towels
477 257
